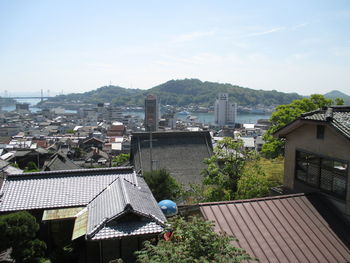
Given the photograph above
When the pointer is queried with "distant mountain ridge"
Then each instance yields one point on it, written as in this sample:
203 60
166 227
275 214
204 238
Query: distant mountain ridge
338 94
182 93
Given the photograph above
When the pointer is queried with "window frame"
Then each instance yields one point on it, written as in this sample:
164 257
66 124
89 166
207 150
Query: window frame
320 131
321 167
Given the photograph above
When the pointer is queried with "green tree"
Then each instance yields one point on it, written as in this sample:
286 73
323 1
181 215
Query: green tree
273 169
224 169
78 152
285 114
120 159
31 167
18 231
192 241
339 101
253 182
163 185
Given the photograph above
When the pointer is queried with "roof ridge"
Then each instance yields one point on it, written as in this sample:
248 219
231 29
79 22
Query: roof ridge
125 195
311 112
104 189
135 177
253 199
75 171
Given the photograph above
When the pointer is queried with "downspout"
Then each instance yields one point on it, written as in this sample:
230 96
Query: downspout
101 256
139 150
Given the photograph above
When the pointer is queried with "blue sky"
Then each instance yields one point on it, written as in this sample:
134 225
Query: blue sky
76 46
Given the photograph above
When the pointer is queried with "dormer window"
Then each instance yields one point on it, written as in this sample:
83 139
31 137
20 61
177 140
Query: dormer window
320 132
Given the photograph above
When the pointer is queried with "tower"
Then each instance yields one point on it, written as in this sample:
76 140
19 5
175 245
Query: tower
225 112
151 112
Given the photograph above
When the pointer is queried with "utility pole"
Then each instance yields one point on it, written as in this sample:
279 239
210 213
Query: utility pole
150 149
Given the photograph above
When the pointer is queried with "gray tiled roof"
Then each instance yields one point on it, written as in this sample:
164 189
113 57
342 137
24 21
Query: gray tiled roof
58 189
128 229
60 162
181 153
109 194
119 198
337 116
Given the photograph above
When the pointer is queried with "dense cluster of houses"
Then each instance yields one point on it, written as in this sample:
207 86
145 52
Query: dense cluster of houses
109 211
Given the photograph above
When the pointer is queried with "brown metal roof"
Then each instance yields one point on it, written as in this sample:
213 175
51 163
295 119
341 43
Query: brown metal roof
288 228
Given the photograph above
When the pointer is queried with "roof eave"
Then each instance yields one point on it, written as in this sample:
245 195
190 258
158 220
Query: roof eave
285 130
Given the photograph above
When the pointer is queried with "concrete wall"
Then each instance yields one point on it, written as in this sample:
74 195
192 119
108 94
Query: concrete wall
334 145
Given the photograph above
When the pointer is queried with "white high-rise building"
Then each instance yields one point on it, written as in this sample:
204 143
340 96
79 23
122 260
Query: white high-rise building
225 112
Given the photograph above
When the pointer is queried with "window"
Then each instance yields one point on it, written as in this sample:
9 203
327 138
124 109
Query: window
320 132
326 174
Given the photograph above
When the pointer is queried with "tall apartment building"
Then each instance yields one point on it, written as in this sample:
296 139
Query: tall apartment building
225 112
102 113
151 112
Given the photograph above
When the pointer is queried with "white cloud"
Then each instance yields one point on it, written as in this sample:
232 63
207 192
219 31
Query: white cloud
299 26
267 32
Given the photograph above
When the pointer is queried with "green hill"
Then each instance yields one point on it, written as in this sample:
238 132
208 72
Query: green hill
181 93
338 94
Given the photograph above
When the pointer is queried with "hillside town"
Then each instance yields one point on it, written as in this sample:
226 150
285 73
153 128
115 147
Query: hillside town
81 175
174 131
93 136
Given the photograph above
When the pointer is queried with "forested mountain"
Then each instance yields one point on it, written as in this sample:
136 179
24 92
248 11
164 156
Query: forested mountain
338 94
182 93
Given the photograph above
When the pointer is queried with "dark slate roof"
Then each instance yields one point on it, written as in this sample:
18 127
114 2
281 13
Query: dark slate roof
336 116
127 198
55 189
288 228
93 140
3 164
95 152
60 162
181 153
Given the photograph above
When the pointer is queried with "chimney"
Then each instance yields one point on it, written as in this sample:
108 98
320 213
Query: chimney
329 114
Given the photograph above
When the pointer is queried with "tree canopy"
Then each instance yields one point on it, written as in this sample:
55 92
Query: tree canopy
163 185
192 241
18 231
121 159
224 169
181 93
235 173
253 182
285 114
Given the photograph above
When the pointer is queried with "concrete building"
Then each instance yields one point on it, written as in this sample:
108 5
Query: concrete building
225 112
151 112
22 107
